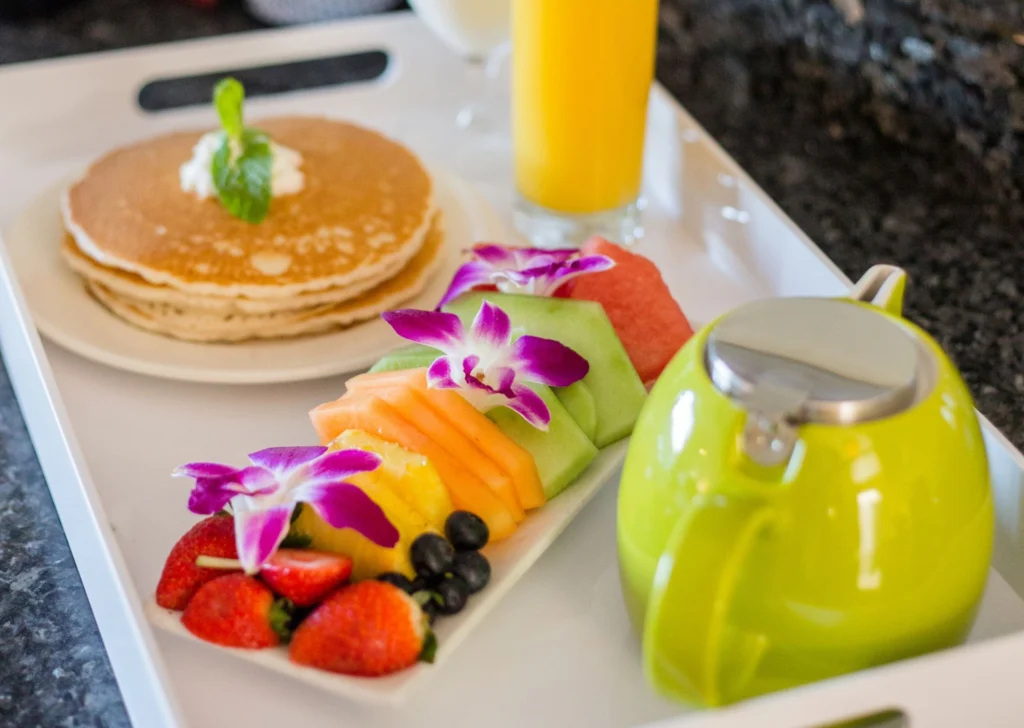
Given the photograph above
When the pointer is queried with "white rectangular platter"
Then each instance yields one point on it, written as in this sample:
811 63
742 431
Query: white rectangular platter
556 649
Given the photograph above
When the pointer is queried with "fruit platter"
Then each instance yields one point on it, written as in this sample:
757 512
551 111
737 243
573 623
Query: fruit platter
350 557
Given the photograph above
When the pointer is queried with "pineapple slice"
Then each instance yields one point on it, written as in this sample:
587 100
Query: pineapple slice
408 490
368 559
409 475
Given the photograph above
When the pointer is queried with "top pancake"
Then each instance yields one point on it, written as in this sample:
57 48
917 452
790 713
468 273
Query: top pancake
365 209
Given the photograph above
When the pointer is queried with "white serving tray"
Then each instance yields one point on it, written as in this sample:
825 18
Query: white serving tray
557 650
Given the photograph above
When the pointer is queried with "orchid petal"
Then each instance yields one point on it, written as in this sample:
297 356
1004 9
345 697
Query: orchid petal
259 531
432 328
548 362
474 383
211 495
471 380
592 264
559 254
439 374
492 326
467 277
534 271
498 379
338 465
506 376
256 480
546 277
343 505
576 268
527 276
529 405
495 255
283 460
203 470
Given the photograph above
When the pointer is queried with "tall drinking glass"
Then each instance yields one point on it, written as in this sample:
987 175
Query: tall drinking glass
582 70
477 30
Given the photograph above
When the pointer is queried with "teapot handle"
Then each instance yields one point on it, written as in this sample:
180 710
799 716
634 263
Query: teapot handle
883 286
686 655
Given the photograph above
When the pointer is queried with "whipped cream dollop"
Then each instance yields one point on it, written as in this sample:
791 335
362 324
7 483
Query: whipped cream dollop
196 174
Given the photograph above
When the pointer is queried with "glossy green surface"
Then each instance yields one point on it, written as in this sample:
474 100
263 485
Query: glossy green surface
872 544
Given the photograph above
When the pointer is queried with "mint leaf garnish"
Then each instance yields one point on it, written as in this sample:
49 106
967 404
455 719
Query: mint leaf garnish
241 175
241 166
227 99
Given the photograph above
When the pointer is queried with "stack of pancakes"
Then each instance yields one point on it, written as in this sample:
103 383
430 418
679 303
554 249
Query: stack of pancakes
361 237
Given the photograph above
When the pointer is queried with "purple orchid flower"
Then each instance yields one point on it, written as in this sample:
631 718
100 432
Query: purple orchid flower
485 365
532 271
263 496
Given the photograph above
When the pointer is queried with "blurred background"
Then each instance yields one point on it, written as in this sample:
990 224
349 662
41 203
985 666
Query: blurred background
31 29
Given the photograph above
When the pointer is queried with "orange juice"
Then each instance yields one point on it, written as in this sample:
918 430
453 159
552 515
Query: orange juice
582 70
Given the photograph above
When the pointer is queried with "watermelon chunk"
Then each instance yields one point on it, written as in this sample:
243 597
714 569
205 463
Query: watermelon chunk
647 319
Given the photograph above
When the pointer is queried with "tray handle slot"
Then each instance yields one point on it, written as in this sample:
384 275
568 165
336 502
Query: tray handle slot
196 90
888 718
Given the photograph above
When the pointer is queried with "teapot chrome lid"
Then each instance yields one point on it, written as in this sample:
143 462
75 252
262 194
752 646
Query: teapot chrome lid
800 360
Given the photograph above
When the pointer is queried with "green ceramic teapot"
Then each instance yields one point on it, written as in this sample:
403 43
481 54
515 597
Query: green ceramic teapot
806 494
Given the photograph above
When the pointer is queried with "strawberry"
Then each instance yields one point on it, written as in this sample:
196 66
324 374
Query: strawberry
370 628
213 536
237 611
305 577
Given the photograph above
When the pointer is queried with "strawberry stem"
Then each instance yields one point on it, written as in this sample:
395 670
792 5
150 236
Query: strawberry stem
216 562
429 650
280 617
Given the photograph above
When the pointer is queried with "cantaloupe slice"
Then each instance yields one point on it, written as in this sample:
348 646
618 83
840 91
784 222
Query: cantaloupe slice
502 449
409 475
374 415
414 408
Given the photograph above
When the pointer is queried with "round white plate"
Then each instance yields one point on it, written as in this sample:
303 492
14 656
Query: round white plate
67 315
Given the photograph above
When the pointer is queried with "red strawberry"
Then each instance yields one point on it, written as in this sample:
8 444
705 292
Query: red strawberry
370 628
305 577
236 611
213 536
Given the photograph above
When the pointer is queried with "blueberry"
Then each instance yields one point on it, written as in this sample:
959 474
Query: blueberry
399 580
474 568
431 556
453 592
466 531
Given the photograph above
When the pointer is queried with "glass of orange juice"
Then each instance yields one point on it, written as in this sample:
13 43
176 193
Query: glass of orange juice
582 70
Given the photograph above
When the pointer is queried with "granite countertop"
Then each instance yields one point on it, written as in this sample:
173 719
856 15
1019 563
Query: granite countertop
868 141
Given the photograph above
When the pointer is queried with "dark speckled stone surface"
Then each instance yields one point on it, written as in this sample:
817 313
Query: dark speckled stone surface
869 176
895 141
53 670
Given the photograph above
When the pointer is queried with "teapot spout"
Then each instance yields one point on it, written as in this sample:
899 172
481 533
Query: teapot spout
882 286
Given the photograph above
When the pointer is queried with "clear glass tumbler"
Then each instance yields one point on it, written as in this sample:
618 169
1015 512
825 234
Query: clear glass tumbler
582 71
